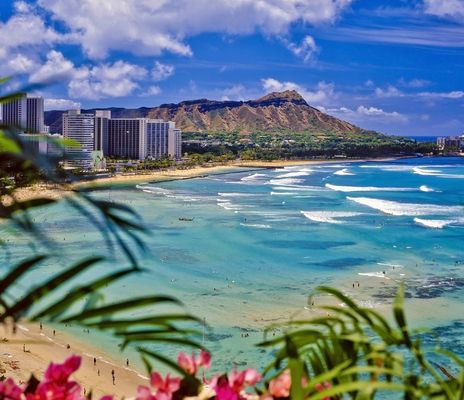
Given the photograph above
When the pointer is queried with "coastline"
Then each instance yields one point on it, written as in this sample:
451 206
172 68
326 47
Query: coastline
57 192
43 347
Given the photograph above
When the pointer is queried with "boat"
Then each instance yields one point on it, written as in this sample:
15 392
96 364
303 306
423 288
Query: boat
185 219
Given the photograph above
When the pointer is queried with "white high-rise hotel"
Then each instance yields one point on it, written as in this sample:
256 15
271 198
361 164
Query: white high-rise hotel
80 128
121 138
26 113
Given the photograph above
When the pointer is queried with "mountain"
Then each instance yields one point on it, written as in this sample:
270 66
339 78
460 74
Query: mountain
278 111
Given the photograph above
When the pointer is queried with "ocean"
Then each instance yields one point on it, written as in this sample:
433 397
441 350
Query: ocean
250 247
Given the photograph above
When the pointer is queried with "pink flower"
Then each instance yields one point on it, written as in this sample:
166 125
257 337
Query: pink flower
321 387
232 387
280 387
192 364
164 388
9 390
56 384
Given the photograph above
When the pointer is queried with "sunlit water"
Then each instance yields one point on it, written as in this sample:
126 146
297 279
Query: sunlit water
260 242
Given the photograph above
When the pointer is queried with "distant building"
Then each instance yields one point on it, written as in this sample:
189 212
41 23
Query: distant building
14 112
455 143
35 115
102 118
127 138
80 128
158 137
175 144
26 112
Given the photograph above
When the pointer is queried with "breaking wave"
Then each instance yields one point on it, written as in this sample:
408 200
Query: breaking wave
329 216
405 209
367 188
343 172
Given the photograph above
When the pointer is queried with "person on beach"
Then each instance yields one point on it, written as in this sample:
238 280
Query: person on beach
94 361
127 362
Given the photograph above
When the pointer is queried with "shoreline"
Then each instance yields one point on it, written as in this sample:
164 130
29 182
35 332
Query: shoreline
31 349
57 192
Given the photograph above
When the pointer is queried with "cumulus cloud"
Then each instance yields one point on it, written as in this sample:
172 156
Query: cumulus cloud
390 91
61 104
106 80
156 26
306 50
18 64
445 8
154 90
236 92
414 83
56 67
161 71
26 29
364 114
455 94
323 93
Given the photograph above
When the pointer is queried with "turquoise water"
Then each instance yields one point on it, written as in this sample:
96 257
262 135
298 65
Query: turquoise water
261 241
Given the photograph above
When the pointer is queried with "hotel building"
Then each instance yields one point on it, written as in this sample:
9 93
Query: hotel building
26 113
80 128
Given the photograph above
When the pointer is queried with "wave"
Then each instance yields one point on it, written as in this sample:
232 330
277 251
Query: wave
389 168
283 194
435 172
426 172
259 226
390 265
329 216
379 274
299 188
236 194
434 223
285 181
343 172
253 177
405 209
293 174
425 188
367 188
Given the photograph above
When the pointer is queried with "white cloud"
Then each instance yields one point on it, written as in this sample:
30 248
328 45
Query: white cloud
154 90
18 64
148 27
236 92
445 8
306 50
56 67
105 80
369 83
61 104
365 114
455 94
22 7
391 91
414 83
25 29
324 92
161 71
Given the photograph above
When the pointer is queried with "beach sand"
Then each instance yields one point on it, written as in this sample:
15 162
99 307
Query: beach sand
42 348
56 192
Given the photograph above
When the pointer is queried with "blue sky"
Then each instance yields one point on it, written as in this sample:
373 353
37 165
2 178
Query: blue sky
393 66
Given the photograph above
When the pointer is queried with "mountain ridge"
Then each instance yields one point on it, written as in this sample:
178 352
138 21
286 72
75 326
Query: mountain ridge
284 111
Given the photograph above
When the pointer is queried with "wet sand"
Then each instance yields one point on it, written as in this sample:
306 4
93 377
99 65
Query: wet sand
42 347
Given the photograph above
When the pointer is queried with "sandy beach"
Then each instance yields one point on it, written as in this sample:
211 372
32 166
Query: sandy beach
43 347
57 192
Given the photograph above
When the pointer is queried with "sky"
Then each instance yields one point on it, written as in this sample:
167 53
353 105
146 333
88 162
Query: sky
393 66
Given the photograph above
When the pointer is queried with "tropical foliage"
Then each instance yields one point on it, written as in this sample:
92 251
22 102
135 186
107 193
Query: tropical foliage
61 298
345 351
